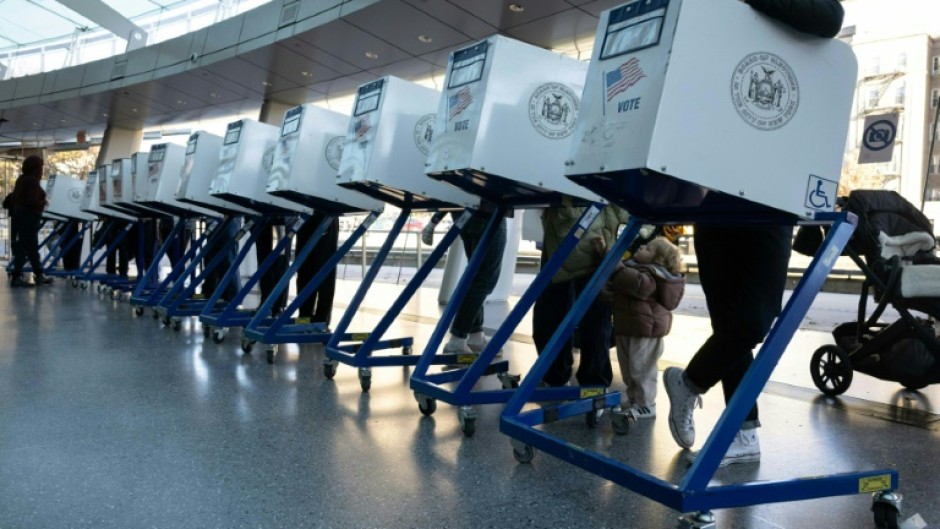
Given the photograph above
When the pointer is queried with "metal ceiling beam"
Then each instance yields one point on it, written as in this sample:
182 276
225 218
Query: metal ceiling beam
108 18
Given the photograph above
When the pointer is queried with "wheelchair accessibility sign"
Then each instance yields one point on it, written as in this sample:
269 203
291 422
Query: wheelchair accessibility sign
821 193
878 138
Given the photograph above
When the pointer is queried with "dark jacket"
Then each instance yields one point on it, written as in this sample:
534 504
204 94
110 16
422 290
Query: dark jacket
818 17
28 194
644 296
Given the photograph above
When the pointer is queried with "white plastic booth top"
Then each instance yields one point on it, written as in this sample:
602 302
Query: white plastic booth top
387 142
307 158
65 193
165 164
123 181
200 167
505 122
113 181
91 196
46 214
245 160
694 106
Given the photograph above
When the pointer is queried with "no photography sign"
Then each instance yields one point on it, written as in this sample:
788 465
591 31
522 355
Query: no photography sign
878 138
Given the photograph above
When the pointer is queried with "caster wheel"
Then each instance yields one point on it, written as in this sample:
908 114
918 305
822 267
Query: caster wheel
427 405
166 321
365 382
407 350
593 417
138 311
269 353
886 516
156 315
75 283
329 370
831 370
206 331
84 285
218 335
247 346
523 454
177 325
467 416
622 421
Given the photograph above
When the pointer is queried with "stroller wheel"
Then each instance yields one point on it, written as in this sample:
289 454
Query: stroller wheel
831 369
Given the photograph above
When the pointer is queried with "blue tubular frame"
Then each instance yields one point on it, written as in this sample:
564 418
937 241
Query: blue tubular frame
62 248
150 289
230 315
693 492
284 328
355 349
87 270
180 299
430 385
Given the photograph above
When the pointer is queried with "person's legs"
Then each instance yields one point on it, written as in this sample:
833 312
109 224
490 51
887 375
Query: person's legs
624 345
547 314
469 317
594 341
264 245
644 356
319 306
28 224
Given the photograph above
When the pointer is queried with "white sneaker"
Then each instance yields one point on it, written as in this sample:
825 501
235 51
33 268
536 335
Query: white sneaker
478 347
682 402
745 448
644 412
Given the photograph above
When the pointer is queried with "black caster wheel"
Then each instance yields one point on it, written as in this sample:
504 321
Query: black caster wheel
218 336
206 331
75 283
329 371
508 381
523 454
469 427
247 346
156 315
166 321
84 285
177 325
831 370
427 405
138 311
407 350
886 516
622 421
269 354
365 382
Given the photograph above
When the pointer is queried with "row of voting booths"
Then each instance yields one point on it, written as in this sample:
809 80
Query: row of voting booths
687 113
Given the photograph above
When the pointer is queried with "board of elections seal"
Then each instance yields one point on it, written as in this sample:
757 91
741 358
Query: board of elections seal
75 195
765 91
553 110
334 151
424 132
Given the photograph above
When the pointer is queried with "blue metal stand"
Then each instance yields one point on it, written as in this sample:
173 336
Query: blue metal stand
99 252
181 299
694 494
62 246
149 289
217 320
356 349
285 328
431 387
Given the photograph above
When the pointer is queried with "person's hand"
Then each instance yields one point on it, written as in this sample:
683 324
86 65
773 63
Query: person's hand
600 246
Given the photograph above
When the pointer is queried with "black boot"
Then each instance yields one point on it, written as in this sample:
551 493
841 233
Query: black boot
18 282
43 280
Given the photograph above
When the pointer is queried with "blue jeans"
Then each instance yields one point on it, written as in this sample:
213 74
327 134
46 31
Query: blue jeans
469 318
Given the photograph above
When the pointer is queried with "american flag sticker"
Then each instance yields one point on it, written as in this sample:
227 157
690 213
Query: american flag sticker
459 102
622 78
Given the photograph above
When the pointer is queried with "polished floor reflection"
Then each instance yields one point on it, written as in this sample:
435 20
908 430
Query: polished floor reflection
108 420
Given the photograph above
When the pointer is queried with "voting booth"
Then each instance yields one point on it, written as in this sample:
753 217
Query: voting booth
93 194
165 163
112 186
124 183
505 122
200 167
713 107
387 142
306 161
245 160
65 195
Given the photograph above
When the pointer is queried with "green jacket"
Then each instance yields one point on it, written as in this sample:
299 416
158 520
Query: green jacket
583 260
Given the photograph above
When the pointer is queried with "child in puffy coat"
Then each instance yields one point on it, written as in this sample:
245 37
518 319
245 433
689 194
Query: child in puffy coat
643 292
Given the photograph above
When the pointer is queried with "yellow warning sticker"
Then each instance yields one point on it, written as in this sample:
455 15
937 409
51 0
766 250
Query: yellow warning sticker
587 393
466 358
359 336
302 321
874 484
199 296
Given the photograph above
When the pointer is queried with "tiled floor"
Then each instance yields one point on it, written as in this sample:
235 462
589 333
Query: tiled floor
110 420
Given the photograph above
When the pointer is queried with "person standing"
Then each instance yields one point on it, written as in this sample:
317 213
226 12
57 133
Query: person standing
29 201
743 272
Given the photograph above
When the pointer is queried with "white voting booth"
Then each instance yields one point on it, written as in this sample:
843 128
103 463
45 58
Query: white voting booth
200 167
505 122
700 104
65 194
387 142
165 163
94 193
306 160
124 182
245 160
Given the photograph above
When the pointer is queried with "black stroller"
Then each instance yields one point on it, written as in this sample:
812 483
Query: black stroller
893 245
